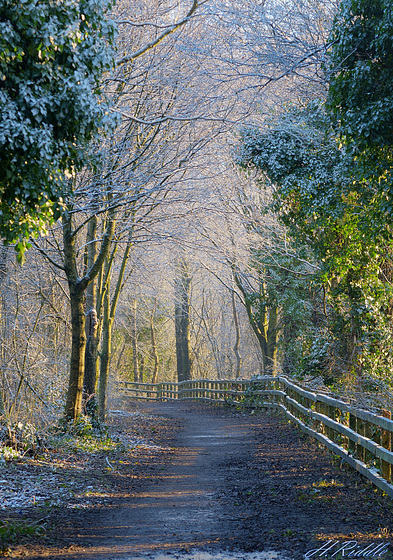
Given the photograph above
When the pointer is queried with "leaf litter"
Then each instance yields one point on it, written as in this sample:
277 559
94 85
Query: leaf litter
77 473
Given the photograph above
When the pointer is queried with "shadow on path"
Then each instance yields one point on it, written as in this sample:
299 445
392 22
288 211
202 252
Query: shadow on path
182 509
236 482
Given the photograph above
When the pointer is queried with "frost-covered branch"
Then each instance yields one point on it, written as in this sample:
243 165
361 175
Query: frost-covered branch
168 31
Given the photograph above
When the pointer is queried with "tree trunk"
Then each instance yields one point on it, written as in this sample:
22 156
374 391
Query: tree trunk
182 322
237 339
264 323
272 339
106 350
110 305
134 339
141 368
154 378
90 378
288 333
78 342
75 385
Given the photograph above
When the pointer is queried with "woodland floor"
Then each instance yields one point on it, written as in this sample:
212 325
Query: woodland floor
186 477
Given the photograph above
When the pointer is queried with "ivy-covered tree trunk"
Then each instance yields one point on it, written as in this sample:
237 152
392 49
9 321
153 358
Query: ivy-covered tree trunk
182 322
77 288
105 356
90 377
77 299
78 344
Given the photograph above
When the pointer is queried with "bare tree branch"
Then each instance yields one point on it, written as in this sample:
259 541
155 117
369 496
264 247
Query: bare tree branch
161 37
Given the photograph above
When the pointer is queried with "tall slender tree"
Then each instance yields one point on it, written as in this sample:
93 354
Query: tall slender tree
182 320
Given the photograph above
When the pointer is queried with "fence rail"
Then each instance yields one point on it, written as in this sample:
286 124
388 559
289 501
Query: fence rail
362 439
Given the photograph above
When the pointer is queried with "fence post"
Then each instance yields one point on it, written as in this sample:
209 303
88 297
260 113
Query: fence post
360 451
321 407
316 422
332 415
345 422
352 448
386 442
368 433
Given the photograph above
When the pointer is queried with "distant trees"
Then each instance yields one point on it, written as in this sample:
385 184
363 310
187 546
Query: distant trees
182 319
272 276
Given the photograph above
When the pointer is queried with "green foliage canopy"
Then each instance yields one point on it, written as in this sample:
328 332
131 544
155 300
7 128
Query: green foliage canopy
298 154
331 168
360 98
323 202
361 66
52 56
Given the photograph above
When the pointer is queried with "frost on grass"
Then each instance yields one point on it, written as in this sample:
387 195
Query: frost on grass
70 473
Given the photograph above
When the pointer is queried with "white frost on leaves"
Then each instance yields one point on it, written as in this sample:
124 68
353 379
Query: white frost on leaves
20 489
28 490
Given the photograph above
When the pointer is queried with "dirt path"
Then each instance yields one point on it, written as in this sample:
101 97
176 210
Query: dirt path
237 482
183 509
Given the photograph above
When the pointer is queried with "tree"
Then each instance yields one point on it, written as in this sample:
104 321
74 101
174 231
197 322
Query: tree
360 73
109 303
360 103
318 199
182 320
92 322
52 57
263 314
78 284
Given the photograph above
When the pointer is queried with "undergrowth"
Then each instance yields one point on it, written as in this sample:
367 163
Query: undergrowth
12 532
85 435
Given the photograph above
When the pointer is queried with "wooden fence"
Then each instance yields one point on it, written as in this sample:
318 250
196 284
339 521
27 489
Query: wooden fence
362 439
